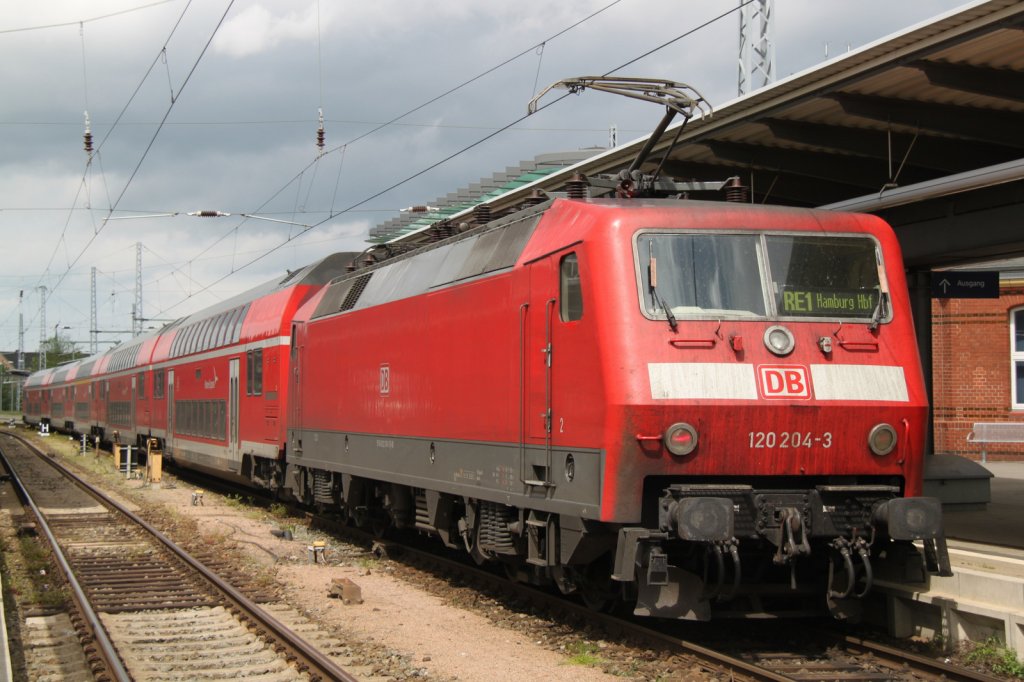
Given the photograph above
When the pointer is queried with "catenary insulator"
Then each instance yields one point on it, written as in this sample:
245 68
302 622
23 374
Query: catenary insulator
320 130
88 134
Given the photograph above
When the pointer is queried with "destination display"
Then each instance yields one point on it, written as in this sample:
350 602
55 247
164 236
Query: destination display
828 302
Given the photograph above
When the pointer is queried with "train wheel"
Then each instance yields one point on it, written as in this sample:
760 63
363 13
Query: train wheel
596 587
379 524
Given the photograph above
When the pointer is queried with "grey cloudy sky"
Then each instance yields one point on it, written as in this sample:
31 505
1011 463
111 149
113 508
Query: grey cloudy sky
239 134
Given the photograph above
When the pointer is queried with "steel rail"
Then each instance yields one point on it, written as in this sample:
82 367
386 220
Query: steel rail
311 657
886 656
743 669
106 648
938 669
735 667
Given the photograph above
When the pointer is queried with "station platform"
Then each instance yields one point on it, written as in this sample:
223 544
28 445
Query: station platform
985 596
5 643
1001 523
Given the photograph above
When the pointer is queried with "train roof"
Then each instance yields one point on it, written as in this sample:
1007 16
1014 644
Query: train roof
157 345
518 237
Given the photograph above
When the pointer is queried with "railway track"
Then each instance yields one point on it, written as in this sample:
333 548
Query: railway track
823 656
807 654
143 608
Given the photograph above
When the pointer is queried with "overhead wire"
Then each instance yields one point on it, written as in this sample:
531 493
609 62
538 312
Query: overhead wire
105 137
84 21
152 139
462 150
342 147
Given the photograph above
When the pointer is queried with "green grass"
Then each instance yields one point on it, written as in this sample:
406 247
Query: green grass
584 653
993 655
238 502
33 583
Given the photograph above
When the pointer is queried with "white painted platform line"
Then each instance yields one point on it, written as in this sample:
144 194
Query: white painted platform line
5 645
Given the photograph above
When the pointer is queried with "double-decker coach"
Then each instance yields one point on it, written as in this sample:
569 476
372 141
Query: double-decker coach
211 387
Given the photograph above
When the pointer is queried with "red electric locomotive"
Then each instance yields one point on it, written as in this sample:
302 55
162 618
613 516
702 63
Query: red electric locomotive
695 407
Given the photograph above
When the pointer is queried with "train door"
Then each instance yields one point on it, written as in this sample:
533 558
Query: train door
539 355
134 425
234 447
169 445
294 390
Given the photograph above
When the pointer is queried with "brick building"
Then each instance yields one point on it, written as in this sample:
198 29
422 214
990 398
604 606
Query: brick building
978 368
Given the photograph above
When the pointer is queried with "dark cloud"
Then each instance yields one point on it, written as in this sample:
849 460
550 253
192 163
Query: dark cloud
240 136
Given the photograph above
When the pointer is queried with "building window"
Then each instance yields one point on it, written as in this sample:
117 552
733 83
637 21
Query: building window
1017 357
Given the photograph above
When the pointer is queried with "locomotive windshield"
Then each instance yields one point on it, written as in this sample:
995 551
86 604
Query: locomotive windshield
760 275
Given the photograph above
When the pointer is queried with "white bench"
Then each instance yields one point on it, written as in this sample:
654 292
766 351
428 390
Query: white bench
995 432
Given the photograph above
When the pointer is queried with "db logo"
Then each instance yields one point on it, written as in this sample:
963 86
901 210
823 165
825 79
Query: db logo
385 379
784 381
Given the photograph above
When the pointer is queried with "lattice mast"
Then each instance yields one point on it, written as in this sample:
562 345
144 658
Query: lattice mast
137 306
93 324
42 327
21 330
757 49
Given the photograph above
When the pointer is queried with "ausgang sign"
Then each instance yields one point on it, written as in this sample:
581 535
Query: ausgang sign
965 284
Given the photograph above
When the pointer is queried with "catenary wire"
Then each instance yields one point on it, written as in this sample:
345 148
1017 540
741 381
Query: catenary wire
462 150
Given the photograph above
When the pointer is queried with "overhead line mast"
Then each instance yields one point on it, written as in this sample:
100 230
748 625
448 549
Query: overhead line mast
757 48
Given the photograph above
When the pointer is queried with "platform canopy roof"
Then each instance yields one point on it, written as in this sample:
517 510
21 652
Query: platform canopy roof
935 110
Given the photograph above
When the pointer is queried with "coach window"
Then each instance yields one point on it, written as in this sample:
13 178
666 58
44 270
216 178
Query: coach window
141 385
221 329
158 384
236 333
1017 357
570 293
248 372
257 371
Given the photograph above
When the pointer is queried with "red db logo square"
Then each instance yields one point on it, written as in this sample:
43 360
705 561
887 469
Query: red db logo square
784 381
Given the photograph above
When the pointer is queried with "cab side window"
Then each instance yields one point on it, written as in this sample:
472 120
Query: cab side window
570 292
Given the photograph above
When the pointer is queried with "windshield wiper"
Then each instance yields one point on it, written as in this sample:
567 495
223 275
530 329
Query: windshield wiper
881 309
652 274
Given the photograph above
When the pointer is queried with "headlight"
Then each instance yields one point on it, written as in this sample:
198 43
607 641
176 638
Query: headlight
882 439
779 340
681 439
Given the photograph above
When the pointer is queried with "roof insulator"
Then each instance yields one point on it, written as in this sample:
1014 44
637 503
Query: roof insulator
536 197
576 186
736 191
482 214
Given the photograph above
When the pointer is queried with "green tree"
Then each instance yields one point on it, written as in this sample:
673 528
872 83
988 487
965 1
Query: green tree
59 349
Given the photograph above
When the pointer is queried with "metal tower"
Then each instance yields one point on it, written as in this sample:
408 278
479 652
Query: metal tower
93 325
42 327
21 330
137 307
757 50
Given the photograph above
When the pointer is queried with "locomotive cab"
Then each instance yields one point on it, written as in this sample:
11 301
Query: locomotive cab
782 423
697 408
